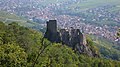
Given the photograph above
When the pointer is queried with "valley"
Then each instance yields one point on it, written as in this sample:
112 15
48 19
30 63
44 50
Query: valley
93 17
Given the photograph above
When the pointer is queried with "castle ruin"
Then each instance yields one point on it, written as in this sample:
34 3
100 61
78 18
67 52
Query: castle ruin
70 37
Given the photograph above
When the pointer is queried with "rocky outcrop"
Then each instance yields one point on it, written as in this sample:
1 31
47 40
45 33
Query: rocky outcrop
70 37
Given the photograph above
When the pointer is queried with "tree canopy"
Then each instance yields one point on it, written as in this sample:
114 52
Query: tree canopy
23 47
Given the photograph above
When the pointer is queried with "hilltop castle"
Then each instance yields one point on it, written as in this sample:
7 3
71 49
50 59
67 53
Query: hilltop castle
70 37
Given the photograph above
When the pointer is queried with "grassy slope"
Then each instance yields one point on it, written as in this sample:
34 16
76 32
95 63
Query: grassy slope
8 18
4 14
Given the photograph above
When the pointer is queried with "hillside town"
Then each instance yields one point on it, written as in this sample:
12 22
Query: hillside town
90 21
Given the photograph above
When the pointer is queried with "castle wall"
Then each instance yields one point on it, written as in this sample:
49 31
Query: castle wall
71 37
65 36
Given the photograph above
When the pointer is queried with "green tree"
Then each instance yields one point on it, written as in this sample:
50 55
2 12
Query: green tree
12 55
57 55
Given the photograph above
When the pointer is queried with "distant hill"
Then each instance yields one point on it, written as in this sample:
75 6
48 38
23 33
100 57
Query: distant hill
87 4
74 7
107 48
81 8
7 18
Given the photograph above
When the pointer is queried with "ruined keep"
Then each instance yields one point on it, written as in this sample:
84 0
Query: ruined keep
70 37
51 33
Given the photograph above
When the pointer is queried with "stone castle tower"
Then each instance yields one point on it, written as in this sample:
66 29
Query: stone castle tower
51 33
70 37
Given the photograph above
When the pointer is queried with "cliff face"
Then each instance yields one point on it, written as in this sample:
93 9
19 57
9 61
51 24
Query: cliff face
70 37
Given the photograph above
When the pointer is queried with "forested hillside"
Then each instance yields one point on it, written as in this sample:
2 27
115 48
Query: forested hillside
106 48
23 47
